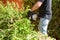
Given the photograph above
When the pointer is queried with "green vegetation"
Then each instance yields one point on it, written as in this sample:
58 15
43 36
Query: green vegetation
14 24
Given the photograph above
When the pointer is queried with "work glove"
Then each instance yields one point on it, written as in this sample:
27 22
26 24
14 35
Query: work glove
31 16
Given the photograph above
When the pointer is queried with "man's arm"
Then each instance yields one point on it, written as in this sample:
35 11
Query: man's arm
37 5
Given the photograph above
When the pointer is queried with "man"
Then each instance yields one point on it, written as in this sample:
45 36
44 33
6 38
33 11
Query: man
45 15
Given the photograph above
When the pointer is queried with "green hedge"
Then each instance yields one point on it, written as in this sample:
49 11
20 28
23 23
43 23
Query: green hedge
14 25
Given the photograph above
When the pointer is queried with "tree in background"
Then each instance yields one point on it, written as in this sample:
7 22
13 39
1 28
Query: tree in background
18 2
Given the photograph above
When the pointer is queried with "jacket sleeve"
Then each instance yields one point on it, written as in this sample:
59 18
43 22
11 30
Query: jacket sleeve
41 0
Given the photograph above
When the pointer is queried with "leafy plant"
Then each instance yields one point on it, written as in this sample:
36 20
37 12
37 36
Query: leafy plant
14 25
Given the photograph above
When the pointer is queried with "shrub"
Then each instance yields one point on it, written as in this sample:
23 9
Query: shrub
14 25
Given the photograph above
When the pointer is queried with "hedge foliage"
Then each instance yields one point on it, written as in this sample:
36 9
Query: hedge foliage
15 26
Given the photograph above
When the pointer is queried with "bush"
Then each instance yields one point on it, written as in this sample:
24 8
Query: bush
14 25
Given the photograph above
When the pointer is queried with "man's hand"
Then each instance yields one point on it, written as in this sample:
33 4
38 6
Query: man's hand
31 15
